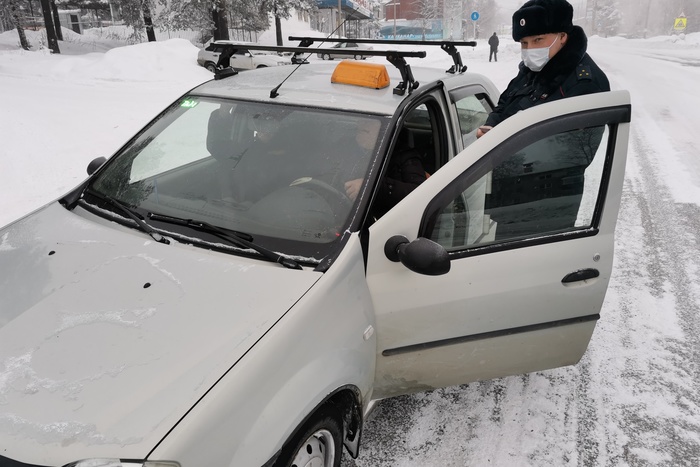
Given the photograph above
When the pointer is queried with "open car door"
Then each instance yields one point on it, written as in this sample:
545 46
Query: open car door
524 219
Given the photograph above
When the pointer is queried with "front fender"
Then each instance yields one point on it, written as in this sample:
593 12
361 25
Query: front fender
324 342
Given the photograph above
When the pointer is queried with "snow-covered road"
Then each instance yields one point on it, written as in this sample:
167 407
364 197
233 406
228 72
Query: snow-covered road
634 399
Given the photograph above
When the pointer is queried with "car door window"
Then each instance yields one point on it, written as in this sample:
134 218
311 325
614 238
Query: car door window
548 187
419 149
472 111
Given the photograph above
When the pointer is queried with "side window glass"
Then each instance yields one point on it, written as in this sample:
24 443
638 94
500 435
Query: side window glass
548 187
241 52
472 112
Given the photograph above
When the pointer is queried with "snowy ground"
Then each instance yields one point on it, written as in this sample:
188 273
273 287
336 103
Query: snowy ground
634 398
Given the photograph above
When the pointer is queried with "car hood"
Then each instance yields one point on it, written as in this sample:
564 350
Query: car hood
107 338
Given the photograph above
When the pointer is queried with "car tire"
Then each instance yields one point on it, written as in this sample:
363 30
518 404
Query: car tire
326 57
210 66
357 57
317 443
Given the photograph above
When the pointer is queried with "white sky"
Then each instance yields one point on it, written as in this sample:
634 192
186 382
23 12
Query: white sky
60 112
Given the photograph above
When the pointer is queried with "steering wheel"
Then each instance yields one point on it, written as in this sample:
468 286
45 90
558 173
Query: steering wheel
336 199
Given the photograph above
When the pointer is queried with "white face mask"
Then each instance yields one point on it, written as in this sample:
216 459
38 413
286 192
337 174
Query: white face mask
536 59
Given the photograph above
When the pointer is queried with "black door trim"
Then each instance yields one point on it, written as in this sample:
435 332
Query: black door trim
489 335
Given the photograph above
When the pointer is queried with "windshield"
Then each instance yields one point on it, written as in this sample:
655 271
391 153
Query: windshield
275 172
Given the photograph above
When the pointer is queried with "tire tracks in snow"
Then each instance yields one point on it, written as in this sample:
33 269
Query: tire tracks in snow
660 414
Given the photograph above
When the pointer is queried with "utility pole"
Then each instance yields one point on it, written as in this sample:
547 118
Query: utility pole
50 29
646 23
56 21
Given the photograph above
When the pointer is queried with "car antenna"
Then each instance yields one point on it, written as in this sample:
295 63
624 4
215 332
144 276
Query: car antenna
274 92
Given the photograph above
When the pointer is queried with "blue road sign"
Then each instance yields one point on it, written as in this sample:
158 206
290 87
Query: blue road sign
475 15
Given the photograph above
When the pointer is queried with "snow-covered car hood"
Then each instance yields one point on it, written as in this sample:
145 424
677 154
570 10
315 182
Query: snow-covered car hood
107 338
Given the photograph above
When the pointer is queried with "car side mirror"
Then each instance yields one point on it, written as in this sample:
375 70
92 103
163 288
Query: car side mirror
422 256
95 164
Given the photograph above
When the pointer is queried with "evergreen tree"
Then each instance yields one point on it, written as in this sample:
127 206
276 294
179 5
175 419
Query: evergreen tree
609 20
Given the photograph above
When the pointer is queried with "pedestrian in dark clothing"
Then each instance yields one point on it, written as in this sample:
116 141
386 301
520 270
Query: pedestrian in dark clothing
555 63
493 43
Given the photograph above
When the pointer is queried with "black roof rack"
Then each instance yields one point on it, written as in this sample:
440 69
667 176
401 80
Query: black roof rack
448 46
395 57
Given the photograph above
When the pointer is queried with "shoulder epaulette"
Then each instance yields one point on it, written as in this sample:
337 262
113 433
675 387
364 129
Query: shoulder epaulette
583 72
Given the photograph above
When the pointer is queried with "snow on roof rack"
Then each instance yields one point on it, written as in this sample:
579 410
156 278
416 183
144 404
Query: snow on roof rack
448 46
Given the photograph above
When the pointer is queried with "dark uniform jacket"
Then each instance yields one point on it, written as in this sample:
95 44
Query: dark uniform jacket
571 72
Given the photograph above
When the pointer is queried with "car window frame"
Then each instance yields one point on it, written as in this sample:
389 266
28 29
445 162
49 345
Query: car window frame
610 117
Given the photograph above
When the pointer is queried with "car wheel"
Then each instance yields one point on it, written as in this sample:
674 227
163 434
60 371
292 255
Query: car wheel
326 57
210 66
357 57
317 444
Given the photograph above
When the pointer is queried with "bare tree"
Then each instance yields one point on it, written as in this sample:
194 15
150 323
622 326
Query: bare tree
14 13
426 11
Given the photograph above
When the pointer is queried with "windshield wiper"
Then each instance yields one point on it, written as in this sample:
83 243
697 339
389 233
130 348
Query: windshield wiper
237 238
132 215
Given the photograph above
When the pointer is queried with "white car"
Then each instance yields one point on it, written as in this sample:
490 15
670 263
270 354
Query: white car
346 50
241 58
211 295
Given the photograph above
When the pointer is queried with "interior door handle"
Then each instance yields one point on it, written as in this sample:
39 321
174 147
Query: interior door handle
580 275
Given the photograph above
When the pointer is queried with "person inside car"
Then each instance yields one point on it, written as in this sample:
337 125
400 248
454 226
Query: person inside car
404 174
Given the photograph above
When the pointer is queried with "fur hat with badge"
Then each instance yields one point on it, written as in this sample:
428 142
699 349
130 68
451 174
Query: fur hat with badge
542 17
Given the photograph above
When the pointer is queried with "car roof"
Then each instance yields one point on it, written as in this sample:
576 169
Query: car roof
310 85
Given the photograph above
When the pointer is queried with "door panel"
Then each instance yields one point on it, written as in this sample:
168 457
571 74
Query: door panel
519 210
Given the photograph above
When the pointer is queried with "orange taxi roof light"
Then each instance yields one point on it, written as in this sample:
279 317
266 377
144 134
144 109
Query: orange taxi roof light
369 75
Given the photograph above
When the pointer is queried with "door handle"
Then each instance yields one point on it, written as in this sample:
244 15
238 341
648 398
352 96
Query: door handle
580 275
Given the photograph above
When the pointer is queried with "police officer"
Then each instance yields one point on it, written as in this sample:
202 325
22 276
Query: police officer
554 60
